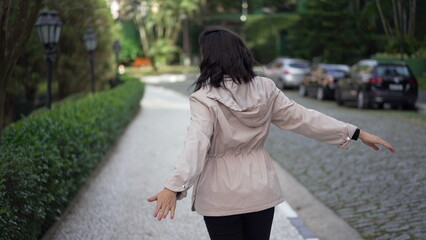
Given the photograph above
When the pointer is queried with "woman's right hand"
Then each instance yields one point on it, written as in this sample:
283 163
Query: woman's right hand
166 202
372 141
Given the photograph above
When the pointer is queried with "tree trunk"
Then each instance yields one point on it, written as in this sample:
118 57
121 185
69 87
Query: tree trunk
153 64
2 103
412 18
186 43
176 32
401 18
382 18
8 63
12 39
357 5
143 36
395 16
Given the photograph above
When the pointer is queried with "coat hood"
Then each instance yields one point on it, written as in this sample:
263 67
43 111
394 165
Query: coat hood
248 102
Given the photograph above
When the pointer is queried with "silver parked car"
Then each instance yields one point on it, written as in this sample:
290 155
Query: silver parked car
287 72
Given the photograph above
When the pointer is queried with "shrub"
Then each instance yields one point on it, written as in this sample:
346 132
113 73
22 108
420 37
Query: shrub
46 158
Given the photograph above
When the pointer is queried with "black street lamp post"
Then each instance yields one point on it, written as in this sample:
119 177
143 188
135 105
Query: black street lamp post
90 41
186 41
243 17
49 27
117 48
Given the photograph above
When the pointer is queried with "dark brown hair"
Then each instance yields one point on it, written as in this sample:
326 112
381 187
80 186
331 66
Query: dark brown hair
223 52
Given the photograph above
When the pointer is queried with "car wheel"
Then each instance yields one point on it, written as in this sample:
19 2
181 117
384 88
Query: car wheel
395 106
302 90
281 84
338 97
408 106
362 102
320 93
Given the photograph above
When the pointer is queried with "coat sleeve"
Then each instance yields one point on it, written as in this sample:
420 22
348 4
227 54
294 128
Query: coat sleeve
289 115
192 159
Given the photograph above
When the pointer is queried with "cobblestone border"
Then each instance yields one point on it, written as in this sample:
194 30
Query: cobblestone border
297 222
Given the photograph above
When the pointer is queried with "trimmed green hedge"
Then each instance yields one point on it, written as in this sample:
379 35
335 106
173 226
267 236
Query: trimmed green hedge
45 159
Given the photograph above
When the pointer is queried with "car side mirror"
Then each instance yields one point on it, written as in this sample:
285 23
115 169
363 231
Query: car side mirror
347 75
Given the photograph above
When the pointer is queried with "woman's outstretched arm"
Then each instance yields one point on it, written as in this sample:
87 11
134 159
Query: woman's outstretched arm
289 115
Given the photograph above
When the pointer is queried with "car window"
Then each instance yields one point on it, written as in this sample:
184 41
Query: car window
364 69
392 70
299 64
275 65
278 65
336 72
322 70
270 64
316 71
333 70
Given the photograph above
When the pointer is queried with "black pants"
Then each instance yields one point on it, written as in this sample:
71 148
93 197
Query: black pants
247 226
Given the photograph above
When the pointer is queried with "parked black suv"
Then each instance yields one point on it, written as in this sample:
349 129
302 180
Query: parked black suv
372 83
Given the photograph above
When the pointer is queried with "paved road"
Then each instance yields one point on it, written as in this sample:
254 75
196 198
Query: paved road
113 204
380 194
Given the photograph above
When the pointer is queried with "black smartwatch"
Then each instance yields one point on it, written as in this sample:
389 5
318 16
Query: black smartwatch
356 134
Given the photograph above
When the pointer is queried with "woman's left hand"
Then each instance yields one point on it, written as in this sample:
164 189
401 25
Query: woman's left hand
166 202
372 141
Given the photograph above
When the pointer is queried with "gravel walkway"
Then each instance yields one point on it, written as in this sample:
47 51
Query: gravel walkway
113 204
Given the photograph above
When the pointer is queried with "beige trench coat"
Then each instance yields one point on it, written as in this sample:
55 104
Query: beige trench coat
223 156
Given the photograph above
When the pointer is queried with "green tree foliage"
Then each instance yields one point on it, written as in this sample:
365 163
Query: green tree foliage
12 39
159 23
254 6
403 24
329 29
71 70
130 44
262 33
264 28
398 17
344 31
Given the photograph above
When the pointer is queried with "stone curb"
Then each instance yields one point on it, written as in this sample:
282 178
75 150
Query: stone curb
297 222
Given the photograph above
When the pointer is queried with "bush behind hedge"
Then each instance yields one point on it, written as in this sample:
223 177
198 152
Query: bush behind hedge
45 159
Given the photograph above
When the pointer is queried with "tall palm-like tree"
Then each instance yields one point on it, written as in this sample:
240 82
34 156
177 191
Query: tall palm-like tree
398 17
159 23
